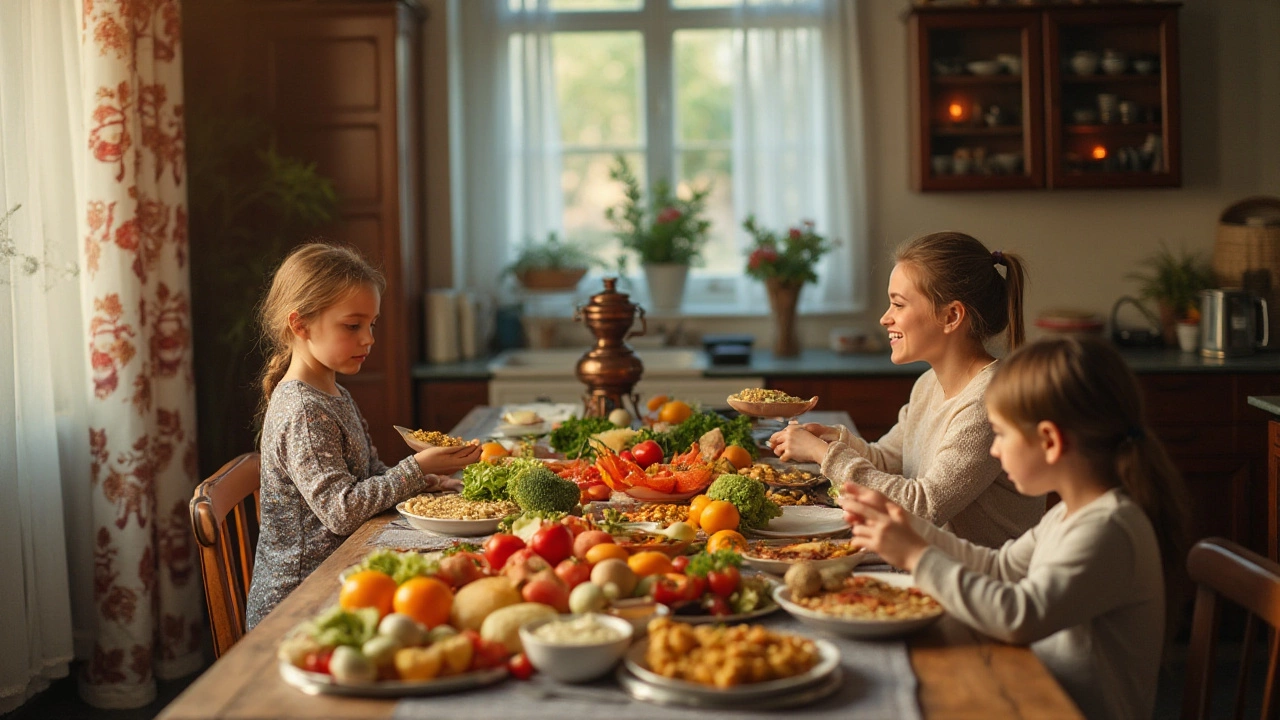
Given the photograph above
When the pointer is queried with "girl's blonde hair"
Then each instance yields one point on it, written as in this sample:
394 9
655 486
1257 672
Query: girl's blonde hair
1083 386
951 266
313 278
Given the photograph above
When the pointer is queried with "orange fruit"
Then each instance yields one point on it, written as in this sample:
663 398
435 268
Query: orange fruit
718 515
656 402
604 551
737 455
491 450
649 562
696 506
727 540
424 599
675 412
368 588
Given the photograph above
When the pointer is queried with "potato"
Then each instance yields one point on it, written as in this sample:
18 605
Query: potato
476 600
503 624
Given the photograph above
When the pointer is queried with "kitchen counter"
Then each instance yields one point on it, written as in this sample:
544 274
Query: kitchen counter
1270 403
815 362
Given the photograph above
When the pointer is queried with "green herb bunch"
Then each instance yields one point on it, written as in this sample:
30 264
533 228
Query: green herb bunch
668 230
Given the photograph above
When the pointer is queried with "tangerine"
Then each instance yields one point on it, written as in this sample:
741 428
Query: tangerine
719 515
696 506
425 599
649 562
727 540
368 588
738 455
492 450
605 551
675 412
656 402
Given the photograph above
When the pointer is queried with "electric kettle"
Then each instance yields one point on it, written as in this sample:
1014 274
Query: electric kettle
1233 322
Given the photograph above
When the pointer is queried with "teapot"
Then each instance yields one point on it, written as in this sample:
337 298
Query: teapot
610 369
1233 322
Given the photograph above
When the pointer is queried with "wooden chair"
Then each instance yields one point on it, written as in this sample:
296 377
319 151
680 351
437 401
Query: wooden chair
1220 567
224 517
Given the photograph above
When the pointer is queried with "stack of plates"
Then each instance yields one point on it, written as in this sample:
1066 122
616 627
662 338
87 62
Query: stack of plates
644 684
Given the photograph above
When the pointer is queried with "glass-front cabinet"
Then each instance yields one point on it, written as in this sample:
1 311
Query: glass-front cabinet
1044 96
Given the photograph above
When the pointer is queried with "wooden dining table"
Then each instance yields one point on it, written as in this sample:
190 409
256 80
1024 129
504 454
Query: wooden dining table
961 674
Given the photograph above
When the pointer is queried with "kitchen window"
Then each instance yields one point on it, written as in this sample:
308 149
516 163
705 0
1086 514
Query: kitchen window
758 99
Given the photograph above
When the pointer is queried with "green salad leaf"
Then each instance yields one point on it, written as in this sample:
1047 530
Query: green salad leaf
400 566
572 437
487 481
336 626
678 439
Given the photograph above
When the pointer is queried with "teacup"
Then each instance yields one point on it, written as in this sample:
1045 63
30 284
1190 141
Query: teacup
1084 62
941 164
1144 66
962 165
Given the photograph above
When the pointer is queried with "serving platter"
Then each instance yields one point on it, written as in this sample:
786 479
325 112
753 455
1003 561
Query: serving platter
777 566
804 695
854 628
769 609
828 663
322 684
804 521
449 526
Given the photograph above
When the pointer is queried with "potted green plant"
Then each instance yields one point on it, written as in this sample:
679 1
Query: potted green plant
667 234
1173 281
785 263
550 264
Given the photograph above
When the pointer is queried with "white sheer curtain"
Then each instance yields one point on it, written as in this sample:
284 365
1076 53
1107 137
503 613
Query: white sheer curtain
797 146
42 373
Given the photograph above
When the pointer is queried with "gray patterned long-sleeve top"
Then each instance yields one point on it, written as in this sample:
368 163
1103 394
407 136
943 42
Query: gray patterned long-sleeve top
321 479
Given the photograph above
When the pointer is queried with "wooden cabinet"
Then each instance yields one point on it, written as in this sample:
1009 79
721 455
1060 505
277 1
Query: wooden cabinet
441 404
1049 96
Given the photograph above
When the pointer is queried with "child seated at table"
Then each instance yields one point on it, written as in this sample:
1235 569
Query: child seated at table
321 476
1086 588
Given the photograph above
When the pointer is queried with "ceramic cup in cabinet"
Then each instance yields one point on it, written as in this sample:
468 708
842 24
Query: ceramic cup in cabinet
1084 62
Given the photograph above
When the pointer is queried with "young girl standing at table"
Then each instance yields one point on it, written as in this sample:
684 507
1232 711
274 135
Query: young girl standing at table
1086 588
947 299
321 476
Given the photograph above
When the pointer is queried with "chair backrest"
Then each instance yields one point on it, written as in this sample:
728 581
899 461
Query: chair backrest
224 517
1220 567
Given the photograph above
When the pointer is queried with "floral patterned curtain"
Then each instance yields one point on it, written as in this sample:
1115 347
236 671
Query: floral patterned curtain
148 596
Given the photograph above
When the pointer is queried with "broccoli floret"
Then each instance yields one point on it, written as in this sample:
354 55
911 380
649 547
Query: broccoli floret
755 510
537 488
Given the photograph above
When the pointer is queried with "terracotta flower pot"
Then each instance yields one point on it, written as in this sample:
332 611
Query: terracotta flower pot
783 300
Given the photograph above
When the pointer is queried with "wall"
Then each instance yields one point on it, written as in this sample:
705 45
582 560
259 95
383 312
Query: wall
1080 244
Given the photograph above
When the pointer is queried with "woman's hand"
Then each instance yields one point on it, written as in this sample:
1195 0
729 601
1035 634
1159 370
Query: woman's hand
881 526
446 460
795 442
825 432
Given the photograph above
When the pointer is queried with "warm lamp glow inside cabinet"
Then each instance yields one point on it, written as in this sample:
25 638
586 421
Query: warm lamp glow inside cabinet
1046 96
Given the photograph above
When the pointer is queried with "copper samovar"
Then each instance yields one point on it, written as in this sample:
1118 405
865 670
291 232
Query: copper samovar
610 369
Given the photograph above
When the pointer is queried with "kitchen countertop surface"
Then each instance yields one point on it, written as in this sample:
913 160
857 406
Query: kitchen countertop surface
1270 403
828 363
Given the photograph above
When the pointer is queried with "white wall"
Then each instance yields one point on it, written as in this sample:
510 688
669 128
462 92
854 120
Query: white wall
1080 244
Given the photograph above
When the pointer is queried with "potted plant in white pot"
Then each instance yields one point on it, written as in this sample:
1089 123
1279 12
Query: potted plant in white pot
550 264
667 234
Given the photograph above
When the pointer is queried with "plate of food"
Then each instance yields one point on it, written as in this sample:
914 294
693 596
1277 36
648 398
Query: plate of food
804 521
663 660
762 403
645 494
422 439
867 605
777 473
452 514
777 556
517 422
314 683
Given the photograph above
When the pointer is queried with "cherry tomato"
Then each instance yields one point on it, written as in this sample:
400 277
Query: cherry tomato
500 547
317 661
520 667
716 605
485 653
724 582
553 542
647 453
679 563
573 572
671 589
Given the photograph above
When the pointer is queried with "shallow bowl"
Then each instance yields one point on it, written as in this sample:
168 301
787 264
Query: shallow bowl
984 67
574 663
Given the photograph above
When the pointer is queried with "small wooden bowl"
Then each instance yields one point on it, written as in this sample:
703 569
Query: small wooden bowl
773 410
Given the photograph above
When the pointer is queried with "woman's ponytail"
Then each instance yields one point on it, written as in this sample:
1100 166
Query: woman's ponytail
1014 279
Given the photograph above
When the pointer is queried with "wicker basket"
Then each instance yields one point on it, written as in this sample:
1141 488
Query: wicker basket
551 278
1246 253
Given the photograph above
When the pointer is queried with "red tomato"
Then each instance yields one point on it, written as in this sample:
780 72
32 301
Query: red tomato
599 492
679 563
647 453
699 583
500 547
553 542
573 572
520 667
671 589
485 653
627 455
724 582
716 605
317 661
548 590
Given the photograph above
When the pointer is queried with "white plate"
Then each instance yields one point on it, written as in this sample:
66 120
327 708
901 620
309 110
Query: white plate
804 521
516 431
444 526
321 684
857 628
780 567
828 661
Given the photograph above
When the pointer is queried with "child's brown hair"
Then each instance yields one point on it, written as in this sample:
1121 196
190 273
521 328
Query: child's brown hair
951 266
1082 385
312 278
